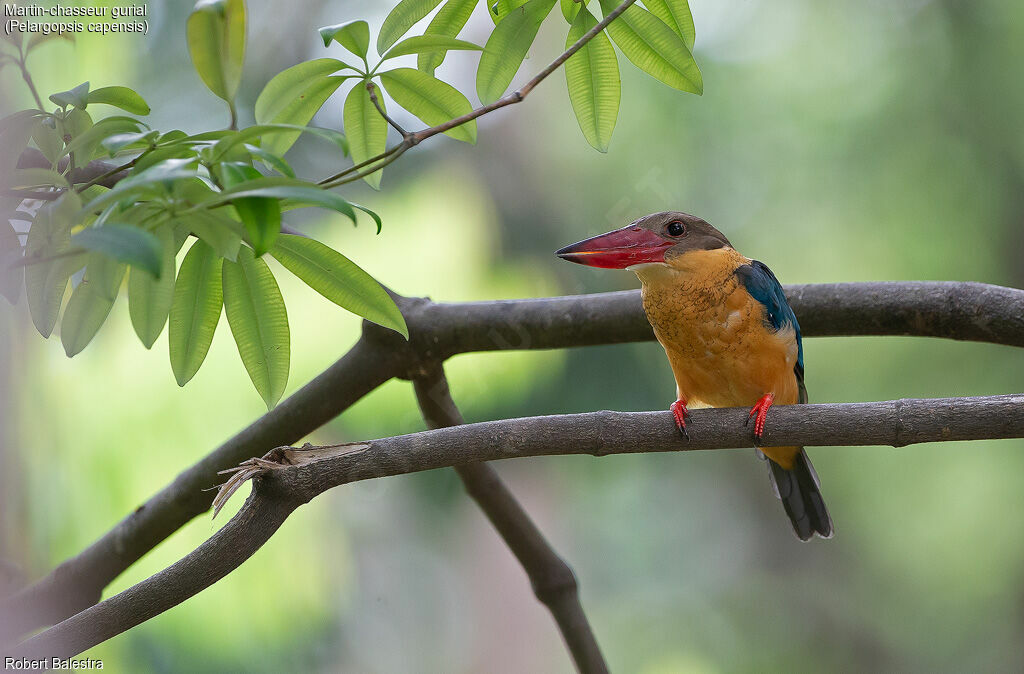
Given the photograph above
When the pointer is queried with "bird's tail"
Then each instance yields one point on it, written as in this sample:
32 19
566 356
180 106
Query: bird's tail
800 492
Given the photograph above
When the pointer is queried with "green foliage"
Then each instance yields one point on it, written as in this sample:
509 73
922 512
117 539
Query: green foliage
259 323
120 97
401 19
676 15
352 35
367 129
654 48
124 243
338 279
294 95
448 22
195 310
229 190
149 295
507 47
77 97
426 44
430 99
216 43
90 303
592 76
48 267
260 215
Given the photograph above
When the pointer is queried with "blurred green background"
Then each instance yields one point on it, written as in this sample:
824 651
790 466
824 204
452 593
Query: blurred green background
835 141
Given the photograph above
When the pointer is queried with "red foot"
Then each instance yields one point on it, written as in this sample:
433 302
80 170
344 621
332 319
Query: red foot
680 413
760 411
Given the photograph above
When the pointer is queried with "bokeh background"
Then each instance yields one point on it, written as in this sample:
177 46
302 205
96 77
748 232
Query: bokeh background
878 140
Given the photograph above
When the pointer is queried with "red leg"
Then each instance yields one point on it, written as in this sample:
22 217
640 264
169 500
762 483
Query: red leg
680 413
760 413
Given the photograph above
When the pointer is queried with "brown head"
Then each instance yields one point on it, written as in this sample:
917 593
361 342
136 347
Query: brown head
659 237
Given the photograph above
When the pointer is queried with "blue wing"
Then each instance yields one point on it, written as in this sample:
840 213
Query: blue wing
762 285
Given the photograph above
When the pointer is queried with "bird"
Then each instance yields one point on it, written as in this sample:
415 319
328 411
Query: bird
728 331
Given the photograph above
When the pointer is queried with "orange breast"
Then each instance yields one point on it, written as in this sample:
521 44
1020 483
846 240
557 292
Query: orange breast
721 352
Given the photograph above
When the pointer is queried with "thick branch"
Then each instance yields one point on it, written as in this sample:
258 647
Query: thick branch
552 579
297 476
966 311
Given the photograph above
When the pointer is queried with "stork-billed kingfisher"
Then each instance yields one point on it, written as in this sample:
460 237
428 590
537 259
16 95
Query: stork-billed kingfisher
728 331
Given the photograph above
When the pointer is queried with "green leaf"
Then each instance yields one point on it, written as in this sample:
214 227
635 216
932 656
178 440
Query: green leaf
12 273
654 48
289 84
401 19
259 323
225 145
46 138
120 97
125 243
195 310
366 129
271 160
569 9
216 42
676 15
137 141
449 22
284 188
430 99
15 132
501 8
77 122
592 75
352 35
338 279
84 146
90 303
260 215
154 177
149 297
78 97
507 47
421 44
293 96
154 157
50 237
364 209
222 233
35 177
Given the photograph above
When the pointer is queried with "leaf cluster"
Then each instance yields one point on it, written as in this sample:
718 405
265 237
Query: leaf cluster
220 196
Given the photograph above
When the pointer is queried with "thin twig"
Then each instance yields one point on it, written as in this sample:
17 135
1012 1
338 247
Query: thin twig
380 108
552 579
277 492
28 80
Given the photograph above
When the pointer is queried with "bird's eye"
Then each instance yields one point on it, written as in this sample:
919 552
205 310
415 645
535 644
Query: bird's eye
675 228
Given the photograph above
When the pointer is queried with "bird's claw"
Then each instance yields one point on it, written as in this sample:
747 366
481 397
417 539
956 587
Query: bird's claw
759 413
680 414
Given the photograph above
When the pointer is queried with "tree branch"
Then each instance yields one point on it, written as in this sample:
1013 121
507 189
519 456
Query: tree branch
964 311
79 581
372 89
95 172
287 477
552 579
